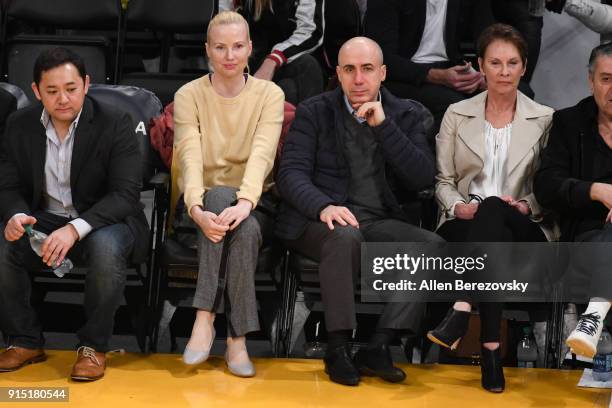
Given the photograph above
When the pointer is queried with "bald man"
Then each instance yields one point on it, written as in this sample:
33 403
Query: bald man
347 155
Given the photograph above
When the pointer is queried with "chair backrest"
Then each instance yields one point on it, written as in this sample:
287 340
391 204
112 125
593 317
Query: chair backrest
18 93
96 14
178 16
142 105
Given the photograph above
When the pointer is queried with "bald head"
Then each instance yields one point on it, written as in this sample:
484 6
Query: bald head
360 70
362 45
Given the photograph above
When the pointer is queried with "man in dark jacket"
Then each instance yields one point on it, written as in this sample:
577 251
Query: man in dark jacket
341 159
70 167
421 41
575 180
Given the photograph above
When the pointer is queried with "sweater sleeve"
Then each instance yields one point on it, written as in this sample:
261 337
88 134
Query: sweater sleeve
308 34
263 149
188 146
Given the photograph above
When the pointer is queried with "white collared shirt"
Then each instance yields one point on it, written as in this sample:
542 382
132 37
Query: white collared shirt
57 192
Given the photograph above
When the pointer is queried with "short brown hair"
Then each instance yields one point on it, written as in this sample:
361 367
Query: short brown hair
502 32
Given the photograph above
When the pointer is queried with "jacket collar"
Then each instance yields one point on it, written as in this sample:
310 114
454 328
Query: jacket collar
526 108
525 132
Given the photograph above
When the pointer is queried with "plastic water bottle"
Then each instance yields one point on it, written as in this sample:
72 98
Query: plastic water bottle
36 242
602 362
527 350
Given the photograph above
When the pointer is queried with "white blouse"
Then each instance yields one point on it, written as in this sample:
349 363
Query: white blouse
490 181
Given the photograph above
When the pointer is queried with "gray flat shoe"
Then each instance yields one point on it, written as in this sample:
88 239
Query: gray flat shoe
193 357
241 370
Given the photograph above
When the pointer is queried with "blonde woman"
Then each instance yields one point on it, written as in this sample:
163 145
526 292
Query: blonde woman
227 126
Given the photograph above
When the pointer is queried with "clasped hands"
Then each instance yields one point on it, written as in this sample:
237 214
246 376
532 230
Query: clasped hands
214 227
467 211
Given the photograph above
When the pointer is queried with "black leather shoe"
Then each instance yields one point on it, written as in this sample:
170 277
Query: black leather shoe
340 367
449 332
377 362
492 370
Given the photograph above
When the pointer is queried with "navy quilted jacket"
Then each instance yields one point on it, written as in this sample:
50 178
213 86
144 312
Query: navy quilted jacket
313 171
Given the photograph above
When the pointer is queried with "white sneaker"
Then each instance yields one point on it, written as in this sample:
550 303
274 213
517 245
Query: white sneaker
583 340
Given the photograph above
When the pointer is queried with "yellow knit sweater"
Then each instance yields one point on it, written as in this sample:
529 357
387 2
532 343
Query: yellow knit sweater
222 141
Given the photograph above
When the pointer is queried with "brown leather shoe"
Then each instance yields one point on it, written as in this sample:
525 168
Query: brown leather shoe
13 358
89 366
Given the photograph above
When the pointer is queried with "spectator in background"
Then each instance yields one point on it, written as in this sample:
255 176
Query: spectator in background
593 14
516 14
284 35
421 43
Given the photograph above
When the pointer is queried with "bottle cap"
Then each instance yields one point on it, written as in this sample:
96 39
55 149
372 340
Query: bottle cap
28 229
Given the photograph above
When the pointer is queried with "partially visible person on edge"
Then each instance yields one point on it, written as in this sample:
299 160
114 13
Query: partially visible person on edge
348 152
487 151
591 13
70 168
575 180
227 125
421 41
285 34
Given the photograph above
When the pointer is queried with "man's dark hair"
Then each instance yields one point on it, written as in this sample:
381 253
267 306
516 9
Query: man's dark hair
55 57
603 50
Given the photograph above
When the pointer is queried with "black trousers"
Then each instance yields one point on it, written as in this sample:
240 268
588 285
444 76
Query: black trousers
301 79
495 221
596 268
338 252
105 252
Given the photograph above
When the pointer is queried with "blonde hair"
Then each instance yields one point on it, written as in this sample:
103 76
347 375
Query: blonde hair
226 18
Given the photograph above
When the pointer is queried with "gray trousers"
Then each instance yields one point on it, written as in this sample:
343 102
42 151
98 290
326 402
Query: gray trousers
231 290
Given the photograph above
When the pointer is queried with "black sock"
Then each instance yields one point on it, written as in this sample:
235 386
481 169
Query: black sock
338 338
381 337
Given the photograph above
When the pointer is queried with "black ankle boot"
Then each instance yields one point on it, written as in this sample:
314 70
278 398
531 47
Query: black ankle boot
451 329
492 370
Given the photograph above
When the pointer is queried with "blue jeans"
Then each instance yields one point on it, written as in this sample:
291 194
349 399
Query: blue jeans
104 252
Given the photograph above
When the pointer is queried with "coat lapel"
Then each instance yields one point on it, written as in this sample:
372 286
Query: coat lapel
472 131
83 138
525 132
38 143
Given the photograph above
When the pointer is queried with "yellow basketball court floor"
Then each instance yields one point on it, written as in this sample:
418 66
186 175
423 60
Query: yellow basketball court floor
138 380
